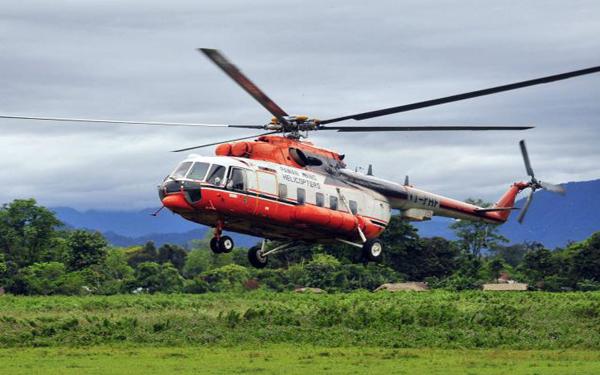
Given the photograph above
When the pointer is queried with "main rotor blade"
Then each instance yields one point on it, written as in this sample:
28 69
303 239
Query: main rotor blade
526 158
553 188
463 96
128 122
234 73
218 143
348 129
525 207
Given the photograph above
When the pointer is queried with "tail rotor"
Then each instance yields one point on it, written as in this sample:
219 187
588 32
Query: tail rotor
534 184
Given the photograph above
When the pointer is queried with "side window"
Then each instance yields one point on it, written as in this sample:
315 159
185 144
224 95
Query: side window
216 174
237 179
320 199
353 207
333 202
301 195
282 191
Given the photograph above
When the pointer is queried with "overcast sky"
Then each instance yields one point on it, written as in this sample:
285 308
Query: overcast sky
136 60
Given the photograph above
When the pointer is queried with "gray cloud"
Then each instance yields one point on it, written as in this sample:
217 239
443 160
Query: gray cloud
134 60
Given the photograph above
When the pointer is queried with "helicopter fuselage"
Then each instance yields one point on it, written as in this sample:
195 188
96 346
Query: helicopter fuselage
284 189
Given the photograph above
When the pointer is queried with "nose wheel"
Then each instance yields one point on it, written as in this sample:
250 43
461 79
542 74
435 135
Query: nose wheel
224 244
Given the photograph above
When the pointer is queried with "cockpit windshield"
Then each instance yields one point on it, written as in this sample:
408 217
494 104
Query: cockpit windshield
181 170
216 174
198 171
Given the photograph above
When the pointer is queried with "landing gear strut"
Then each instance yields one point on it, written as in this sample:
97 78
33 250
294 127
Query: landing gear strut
258 255
221 244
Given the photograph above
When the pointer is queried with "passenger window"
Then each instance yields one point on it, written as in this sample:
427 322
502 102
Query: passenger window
320 199
301 195
353 207
237 180
333 202
198 171
267 183
282 191
216 174
181 170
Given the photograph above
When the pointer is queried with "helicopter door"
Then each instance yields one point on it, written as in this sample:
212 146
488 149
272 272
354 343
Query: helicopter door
238 182
268 191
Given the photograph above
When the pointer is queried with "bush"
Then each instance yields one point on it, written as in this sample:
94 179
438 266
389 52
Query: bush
48 278
228 277
155 277
196 286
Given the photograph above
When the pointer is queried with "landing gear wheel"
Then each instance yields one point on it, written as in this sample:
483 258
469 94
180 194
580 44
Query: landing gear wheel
255 257
214 245
226 244
373 250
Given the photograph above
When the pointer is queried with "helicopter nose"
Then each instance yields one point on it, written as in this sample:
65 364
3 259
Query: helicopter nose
179 195
176 202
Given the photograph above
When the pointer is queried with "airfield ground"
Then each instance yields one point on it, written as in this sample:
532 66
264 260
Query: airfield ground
258 332
286 359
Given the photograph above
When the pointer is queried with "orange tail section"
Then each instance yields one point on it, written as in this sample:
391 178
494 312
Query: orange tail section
508 199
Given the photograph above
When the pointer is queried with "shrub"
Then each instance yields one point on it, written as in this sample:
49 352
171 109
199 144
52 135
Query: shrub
228 277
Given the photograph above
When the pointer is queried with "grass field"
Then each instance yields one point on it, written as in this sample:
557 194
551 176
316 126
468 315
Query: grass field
293 360
260 332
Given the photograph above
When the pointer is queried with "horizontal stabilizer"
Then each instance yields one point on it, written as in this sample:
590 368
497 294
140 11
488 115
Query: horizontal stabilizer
496 209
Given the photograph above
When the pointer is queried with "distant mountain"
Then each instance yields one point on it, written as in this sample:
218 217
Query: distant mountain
182 239
128 228
552 220
125 223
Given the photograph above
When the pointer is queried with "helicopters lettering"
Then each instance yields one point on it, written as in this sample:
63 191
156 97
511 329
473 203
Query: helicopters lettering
282 188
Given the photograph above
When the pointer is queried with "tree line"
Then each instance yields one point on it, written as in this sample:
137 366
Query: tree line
39 255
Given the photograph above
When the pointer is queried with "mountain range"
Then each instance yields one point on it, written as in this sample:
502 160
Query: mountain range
552 219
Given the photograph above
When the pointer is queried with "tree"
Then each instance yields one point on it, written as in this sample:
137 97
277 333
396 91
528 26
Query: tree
538 263
401 244
3 271
172 253
146 253
26 232
323 271
47 278
196 262
437 258
156 277
115 273
513 254
477 235
228 277
87 248
585 259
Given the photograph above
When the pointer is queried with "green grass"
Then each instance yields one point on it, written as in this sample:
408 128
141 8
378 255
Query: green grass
443 320
292 360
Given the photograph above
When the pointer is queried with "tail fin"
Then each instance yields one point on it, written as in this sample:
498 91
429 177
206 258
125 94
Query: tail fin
506 202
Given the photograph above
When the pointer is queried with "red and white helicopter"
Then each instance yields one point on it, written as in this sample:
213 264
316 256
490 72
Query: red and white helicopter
282 188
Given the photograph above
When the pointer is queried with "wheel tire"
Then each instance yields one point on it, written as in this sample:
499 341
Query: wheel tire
226 244
256 260
214 245
373 250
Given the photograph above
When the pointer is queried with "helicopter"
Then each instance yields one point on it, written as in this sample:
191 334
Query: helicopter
278 186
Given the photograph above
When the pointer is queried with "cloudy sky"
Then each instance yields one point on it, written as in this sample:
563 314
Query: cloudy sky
136 60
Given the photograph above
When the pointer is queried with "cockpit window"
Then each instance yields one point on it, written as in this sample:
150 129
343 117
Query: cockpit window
216 174
181 170
198 171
